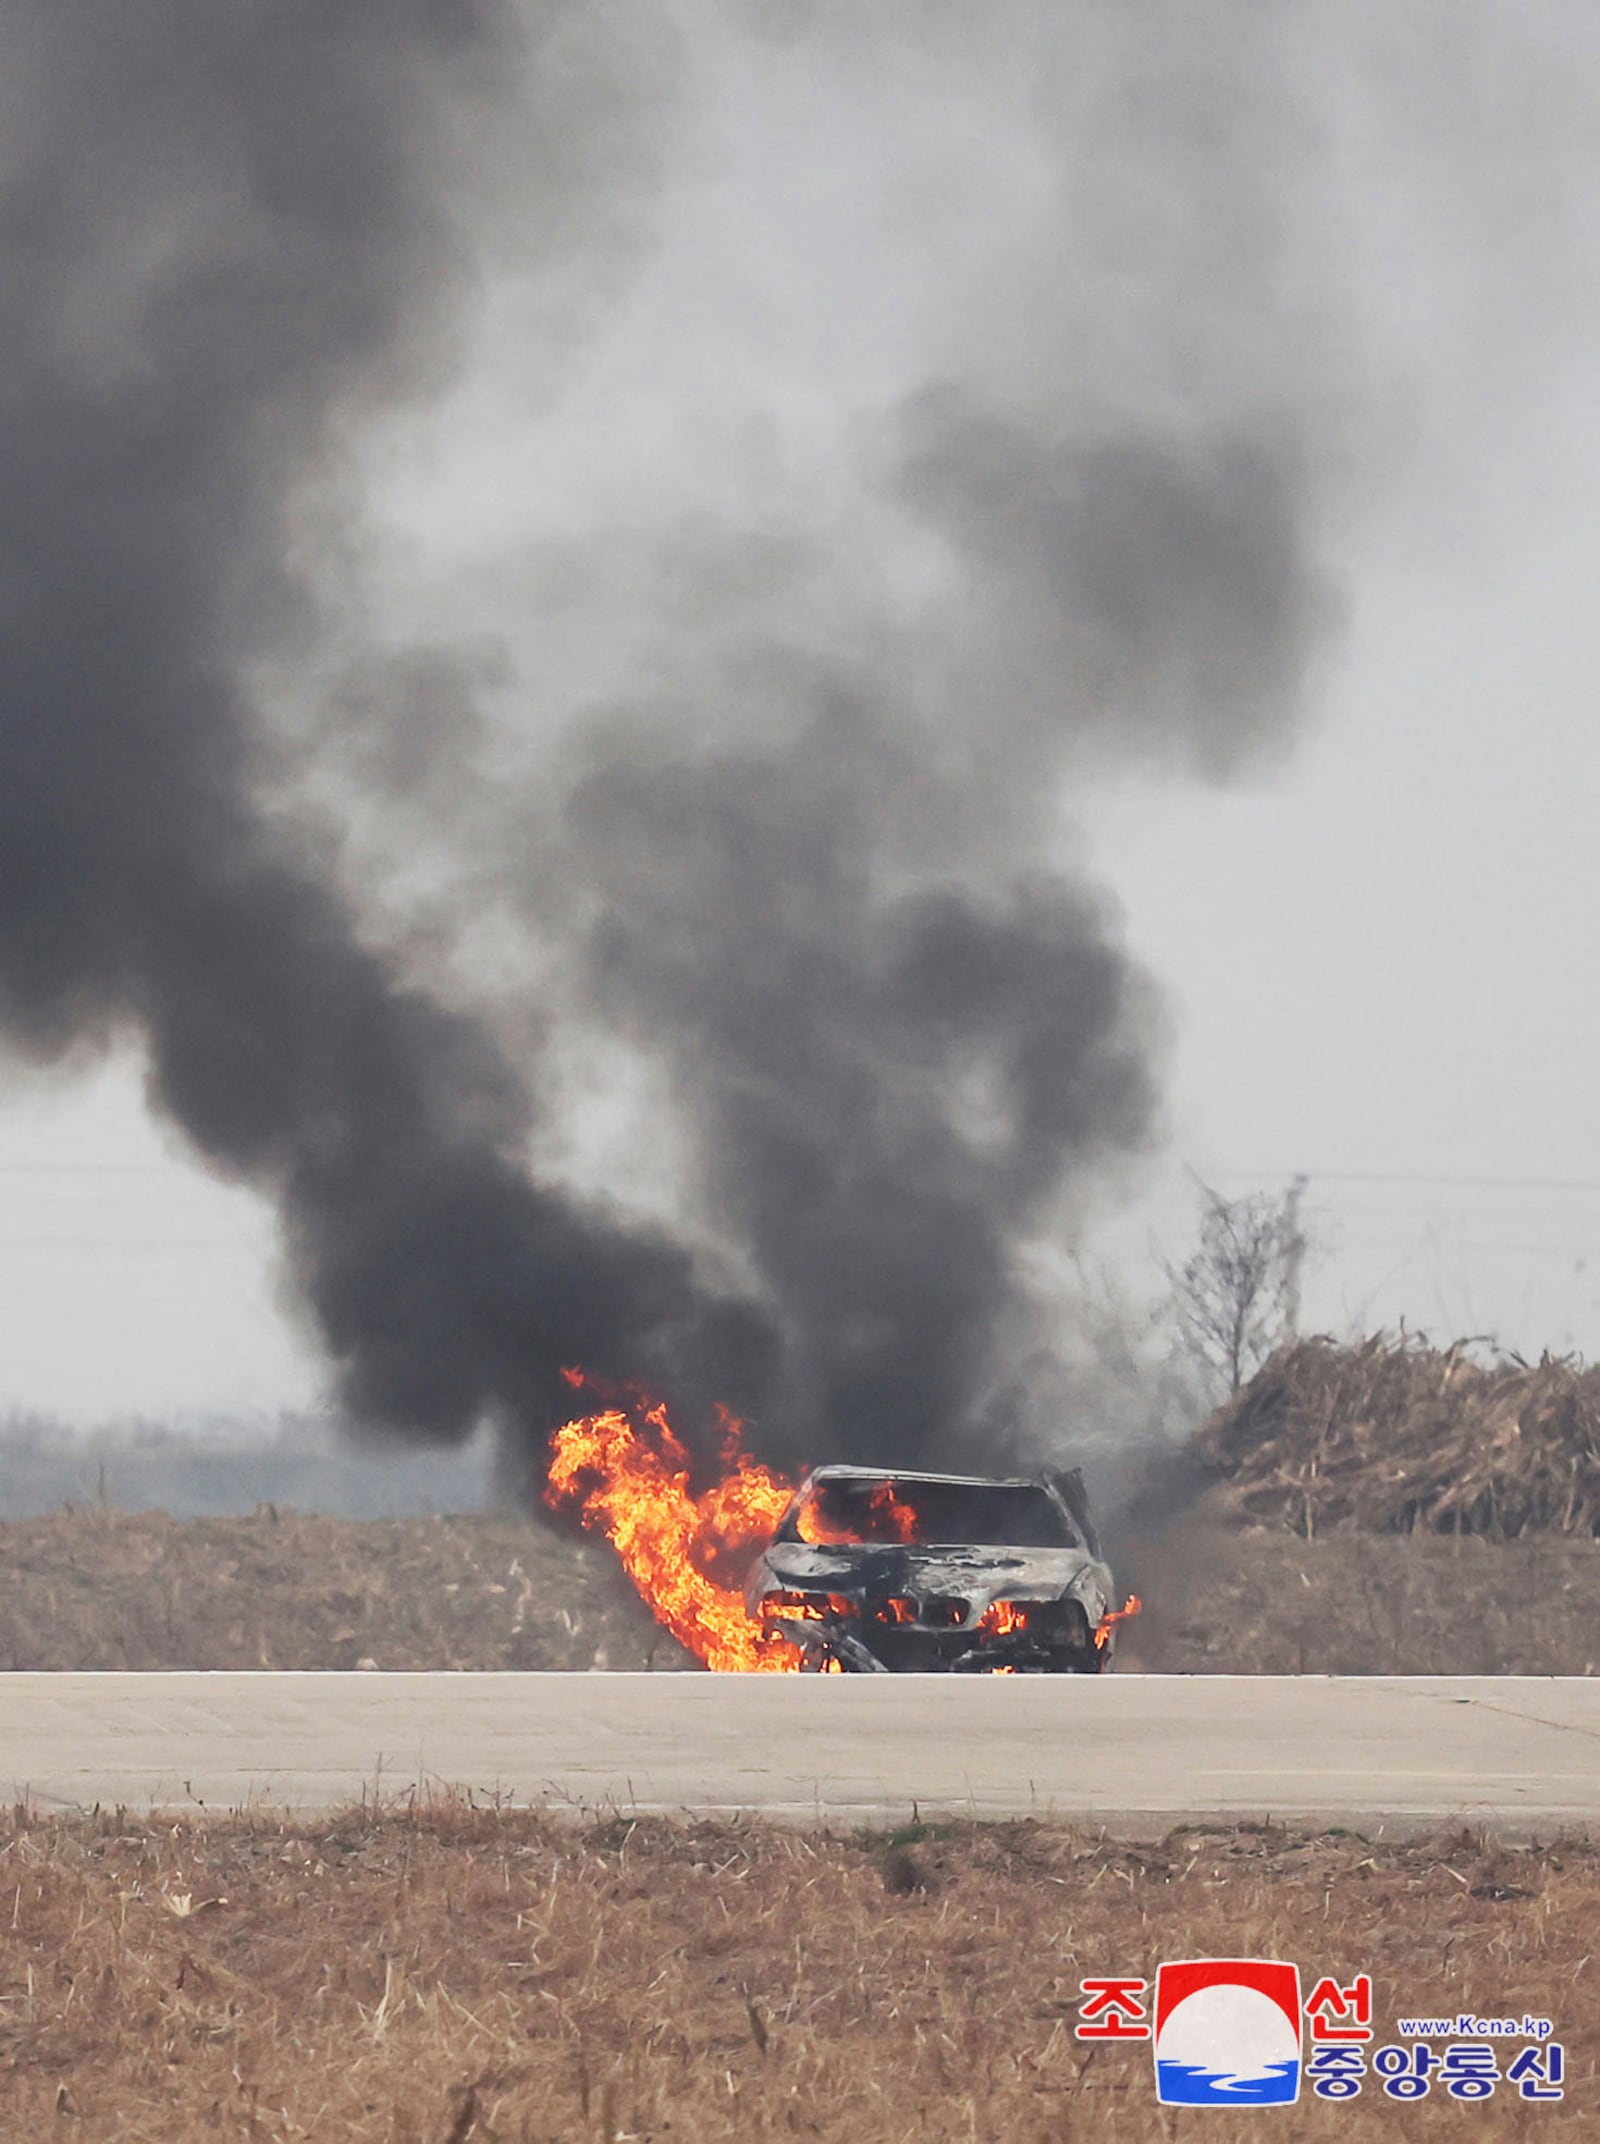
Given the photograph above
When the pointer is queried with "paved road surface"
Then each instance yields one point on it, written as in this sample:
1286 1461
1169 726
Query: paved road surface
1135 1752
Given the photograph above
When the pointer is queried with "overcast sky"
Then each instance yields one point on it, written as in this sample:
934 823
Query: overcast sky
1373 938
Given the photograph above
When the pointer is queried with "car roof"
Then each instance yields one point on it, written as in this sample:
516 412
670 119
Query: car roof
951 1481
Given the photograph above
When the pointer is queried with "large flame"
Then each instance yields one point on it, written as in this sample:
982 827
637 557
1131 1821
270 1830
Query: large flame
629 1475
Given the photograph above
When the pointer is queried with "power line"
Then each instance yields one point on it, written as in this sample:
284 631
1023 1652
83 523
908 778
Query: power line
99 1168
1407 1176
140 1244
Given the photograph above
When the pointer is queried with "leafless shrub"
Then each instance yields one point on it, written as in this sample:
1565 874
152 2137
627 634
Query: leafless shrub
1237 1295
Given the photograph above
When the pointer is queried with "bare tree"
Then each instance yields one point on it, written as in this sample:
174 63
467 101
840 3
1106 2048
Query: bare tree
1237 1296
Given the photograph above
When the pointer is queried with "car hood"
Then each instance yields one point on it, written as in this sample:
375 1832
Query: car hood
979 1575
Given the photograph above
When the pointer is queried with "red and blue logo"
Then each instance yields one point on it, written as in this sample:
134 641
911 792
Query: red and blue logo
1227 2033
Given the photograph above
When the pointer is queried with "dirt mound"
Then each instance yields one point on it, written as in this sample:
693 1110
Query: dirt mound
1395 1436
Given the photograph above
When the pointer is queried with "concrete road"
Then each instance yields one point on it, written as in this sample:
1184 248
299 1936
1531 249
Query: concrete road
1133 1752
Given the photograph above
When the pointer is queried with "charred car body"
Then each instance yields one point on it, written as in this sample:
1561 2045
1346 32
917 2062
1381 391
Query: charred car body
872 1572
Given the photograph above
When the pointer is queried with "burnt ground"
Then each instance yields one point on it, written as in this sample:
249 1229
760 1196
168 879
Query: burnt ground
452 1974
100 1588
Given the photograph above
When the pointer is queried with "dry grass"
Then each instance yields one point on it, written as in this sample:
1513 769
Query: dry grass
453 1974
1220 1601
105 1589
101 1588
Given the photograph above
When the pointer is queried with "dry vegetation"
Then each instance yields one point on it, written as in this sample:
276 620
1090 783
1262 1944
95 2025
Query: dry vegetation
1221 1601
100 1588
1395 1436
451 1974
105 1589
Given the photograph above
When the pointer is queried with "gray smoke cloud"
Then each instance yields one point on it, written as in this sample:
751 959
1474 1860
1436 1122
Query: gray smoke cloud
820 875
1050 296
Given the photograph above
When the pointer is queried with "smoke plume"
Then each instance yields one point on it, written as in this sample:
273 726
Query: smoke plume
967 398
820 875
229 231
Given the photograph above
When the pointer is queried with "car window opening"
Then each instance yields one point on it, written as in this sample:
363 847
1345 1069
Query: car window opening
890 1511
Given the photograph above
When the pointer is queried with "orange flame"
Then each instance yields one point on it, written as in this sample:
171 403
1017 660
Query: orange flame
891 1520
629 1475
1113 1616
810 1607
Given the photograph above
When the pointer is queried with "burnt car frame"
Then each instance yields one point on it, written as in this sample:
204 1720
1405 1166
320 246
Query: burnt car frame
878 1571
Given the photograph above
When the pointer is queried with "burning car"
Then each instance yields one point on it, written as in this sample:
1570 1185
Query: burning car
855 1571
872 1572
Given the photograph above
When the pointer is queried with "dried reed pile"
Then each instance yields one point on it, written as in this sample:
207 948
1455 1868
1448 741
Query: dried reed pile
1395 1436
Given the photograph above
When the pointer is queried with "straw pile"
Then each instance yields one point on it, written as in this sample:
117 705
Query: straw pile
1395 1436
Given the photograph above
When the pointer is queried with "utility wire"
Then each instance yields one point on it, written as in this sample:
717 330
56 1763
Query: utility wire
1407 1176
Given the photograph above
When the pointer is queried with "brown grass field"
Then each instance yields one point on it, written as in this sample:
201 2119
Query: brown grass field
101 1588
446 1974
1220 1600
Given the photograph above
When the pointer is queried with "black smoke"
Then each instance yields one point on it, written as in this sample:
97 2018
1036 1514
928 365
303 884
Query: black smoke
888 1083
818 875
229 235
824 879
